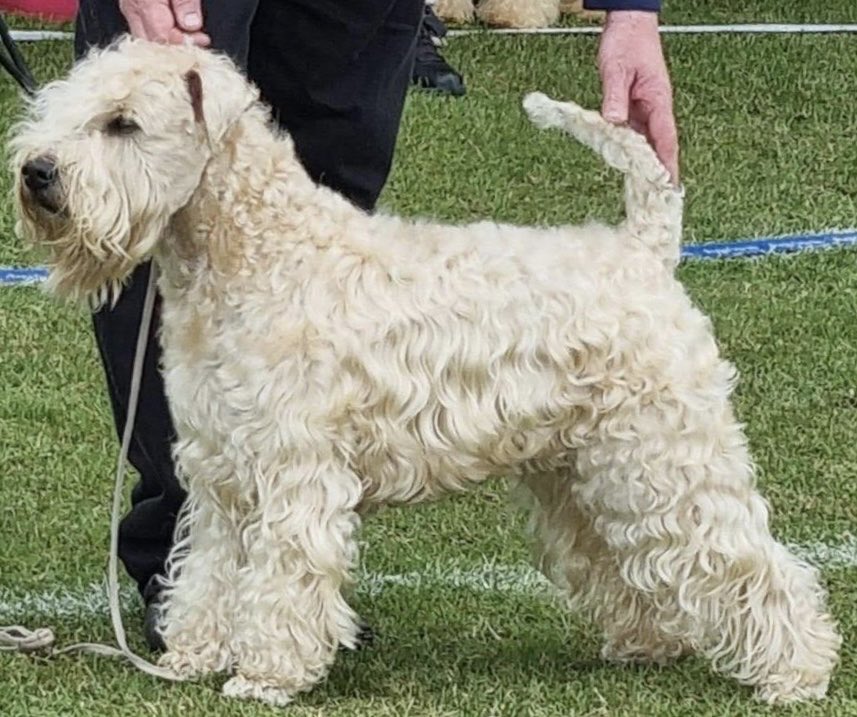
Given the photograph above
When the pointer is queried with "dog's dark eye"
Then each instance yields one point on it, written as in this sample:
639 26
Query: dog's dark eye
121 126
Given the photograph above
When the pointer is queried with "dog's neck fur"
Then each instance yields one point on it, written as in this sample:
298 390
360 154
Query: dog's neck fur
215 233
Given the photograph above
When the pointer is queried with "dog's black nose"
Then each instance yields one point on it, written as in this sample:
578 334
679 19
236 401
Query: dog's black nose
39 173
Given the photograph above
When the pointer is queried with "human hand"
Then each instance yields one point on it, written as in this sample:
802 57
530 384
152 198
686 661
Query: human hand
172 21
636 82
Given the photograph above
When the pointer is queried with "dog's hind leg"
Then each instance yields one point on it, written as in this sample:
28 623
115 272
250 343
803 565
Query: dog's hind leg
669 481
301 547
572 555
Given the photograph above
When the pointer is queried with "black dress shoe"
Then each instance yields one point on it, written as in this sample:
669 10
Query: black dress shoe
431 71
365 639
152 600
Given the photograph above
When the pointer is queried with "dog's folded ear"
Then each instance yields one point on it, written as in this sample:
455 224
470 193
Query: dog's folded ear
194 88
218 93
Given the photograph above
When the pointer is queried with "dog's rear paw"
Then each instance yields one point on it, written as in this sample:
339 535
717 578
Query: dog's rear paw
781 694
243 688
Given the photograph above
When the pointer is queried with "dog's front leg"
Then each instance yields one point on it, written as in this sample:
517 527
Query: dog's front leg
199 598
291 614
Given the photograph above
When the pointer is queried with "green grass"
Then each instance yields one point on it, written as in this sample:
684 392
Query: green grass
767 134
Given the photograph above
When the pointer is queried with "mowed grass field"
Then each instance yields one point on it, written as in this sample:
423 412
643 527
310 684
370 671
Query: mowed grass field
768 133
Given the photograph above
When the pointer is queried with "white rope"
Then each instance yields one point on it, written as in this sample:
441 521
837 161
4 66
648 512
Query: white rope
38 35
746 29
20 639
727 29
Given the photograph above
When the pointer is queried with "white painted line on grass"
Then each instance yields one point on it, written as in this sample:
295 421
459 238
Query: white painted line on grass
90 600
842 555
488 577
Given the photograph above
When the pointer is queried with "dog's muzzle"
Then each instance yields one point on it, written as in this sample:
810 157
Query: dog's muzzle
41 179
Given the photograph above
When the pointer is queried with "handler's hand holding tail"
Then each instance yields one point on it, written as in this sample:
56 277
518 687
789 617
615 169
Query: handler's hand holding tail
636 82
173 21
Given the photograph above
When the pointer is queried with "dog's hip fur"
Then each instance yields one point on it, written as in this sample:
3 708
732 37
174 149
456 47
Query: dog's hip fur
319 361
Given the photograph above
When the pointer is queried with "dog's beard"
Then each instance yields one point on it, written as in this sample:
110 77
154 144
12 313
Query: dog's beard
111 204
92 247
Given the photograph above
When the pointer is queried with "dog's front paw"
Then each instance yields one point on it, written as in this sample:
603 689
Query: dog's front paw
189 664
627 653
243 688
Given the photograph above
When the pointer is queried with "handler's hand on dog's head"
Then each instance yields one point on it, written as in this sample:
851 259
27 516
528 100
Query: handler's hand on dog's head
636 82
173 21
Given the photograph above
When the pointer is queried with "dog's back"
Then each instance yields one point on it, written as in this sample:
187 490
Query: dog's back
653 205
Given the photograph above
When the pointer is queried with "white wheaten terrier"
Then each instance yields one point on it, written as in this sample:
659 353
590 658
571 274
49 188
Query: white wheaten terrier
512 13
320 361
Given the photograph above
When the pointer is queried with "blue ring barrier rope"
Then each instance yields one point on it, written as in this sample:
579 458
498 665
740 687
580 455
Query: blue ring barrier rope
767 246
745 249
12 276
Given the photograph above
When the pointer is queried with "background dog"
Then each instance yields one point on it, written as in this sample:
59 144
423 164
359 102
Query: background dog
512 13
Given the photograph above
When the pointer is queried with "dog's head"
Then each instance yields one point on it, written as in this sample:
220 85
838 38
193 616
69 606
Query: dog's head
108 155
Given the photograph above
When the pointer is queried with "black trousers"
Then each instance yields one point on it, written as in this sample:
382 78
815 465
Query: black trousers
336 73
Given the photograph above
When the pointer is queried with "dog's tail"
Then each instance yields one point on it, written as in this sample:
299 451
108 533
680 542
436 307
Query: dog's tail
653 206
